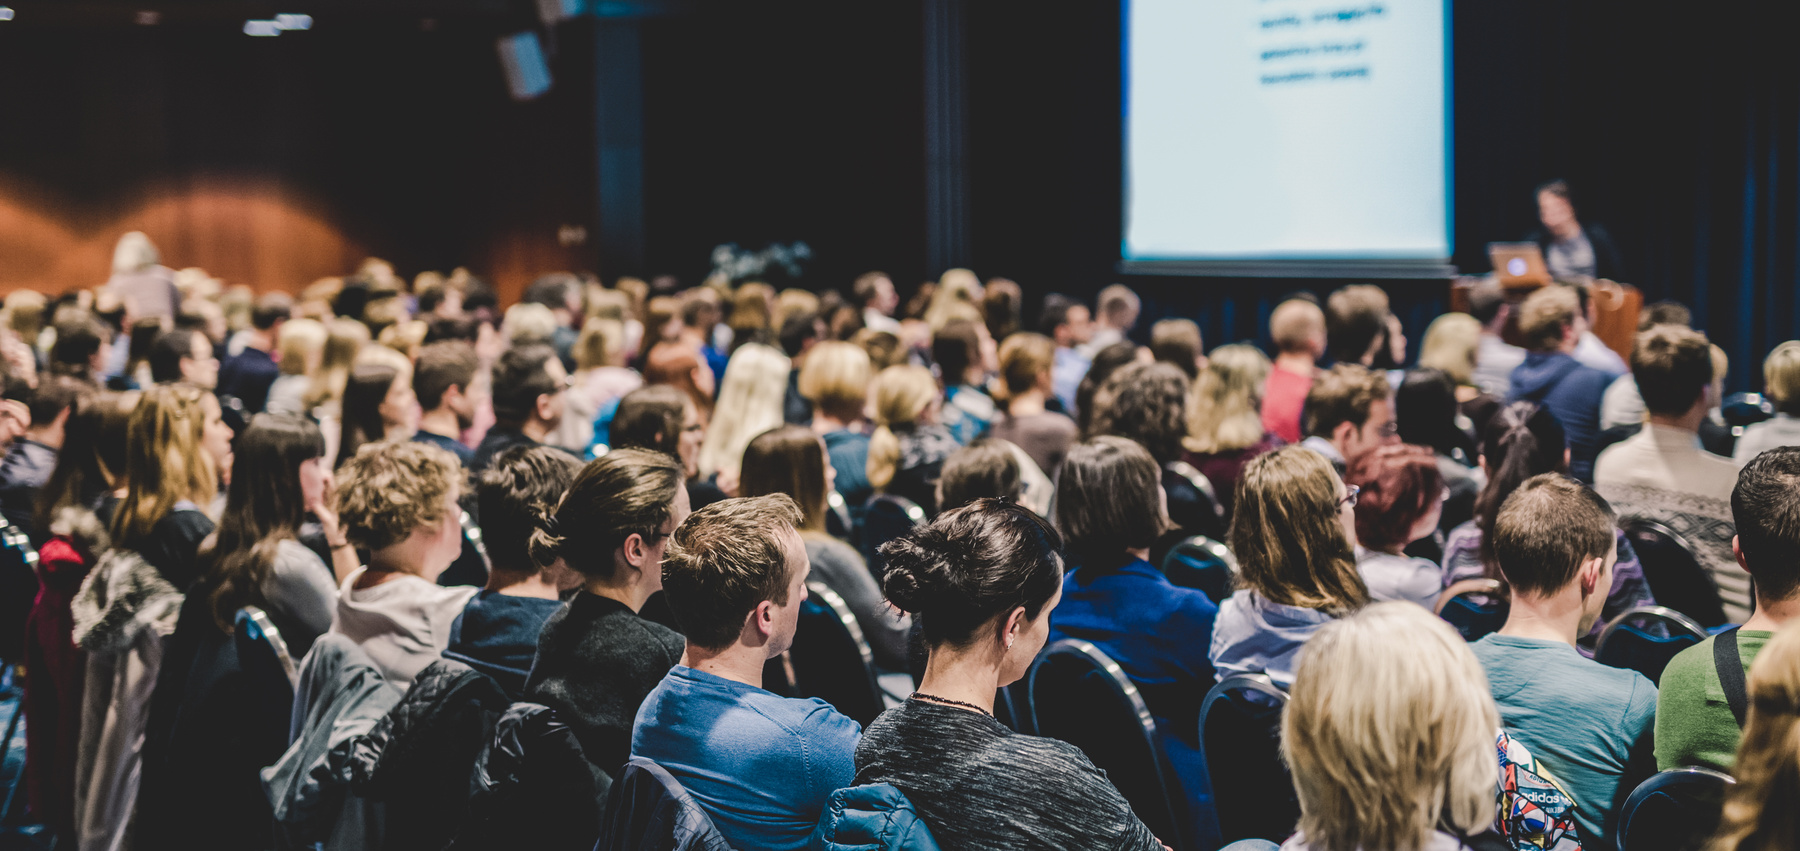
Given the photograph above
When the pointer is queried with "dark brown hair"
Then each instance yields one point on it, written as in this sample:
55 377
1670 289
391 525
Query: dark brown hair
443 365
1354 317
1673 366
1546 529
1522 440
622 493
1343 394
263 507
725 561
650 418
1108 500
1177 341
788 459
1146 402
367 388
517 491
521 375
971 565
1765 506
986 468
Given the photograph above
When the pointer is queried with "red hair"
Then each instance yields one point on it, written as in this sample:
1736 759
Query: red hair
1400 484
673 363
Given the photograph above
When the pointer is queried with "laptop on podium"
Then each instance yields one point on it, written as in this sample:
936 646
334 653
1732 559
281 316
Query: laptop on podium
1519 265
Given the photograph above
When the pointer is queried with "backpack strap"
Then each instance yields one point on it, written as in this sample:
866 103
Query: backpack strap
1731 673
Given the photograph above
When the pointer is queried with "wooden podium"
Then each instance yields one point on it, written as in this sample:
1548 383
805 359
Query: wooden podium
1616 308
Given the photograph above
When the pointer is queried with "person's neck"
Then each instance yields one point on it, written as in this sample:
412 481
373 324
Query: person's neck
391 563
1392 549
1771 615
823 423
262 341
1689 421
631 594
970 675
1299 363
536 429
1028 403
441 422
521 583
1556 618
50 435
738 662
1567 230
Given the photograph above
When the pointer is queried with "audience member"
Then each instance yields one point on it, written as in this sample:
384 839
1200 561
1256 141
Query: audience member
497 632
600 380
750 400
1115 314
1108 361
1623 405
663 419
302 347
1451 346
397 500
982 581
596 657
681 366
736 578
139 279
444 383
791 460
528 386
1025 389
1359 325
169 476
1588 725
1177 341
836 380
1390 750
1663 474
1759 810
1294 535
1426 413
81 347
1400 493
1298 329
965 356
1349 412
1693 727
1067 323
1550 321
378 405
31 458
875 295
985 469
1495 359
1003 308
1590 350
1781 383
1224 430
181 354
908 448
1148 403
249 373
1109 508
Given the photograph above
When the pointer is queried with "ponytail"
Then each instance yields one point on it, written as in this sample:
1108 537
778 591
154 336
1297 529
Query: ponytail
902 394
1522 440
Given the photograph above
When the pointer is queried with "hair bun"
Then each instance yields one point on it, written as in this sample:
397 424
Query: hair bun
546 542
918 575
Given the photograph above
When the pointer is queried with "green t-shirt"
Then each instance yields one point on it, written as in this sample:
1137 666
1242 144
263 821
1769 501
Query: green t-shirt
1694 724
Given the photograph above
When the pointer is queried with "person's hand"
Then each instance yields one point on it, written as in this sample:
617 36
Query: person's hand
15 417
322 509
727 482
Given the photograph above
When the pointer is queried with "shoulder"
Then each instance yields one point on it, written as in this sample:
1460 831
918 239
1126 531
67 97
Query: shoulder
1688 672
820 548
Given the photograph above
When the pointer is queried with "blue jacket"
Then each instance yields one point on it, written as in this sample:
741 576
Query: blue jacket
1572 392
877 817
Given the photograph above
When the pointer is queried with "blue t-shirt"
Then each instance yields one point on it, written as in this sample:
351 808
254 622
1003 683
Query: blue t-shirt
1587 724
760 764
455 447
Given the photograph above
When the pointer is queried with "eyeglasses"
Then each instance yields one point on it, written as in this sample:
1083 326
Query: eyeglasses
1350 492
1391 428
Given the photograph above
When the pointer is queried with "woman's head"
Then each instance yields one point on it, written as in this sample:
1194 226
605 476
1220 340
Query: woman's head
1293 532
620 510
835 378
366 396
1025 361
403 494
166 458
302 346
1388 745
985 469
904 397
514 494
1450 345
275 474
963 351
1148 403
662 419
1088 394
602 343
750 402
1759 811
1781 377
789 459
1425 412
92 454
1522 440
1109 499
988 572
1401 497
1224 417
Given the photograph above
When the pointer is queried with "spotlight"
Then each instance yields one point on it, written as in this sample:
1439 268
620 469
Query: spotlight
261 28
294 22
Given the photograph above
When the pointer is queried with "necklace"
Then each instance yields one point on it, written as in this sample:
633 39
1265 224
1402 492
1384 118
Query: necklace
919 695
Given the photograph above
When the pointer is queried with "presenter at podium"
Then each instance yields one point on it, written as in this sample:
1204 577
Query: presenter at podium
1574 250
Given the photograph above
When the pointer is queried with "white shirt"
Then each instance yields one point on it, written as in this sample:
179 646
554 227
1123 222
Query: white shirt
1404 578
875 320
403 623
1591 352
1495 360
1783 430
1622 404
1668 458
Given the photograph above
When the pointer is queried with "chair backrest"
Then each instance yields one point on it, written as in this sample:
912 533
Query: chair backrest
1079 695
1240 739
886 517
1644 639
1745 409
831 659
1673 569
837 518
1475 607
1201 483
647 808
260 643
1674 810
1203 564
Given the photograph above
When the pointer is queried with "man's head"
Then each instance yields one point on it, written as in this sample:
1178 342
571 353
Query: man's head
1298 326
560 292
1487 303
1352 407
443 379
515 494
1674 369
736 572
182 354
1665 313
528 386
875 290
271 309
52 402
1553 538
1551 320
1118 307
1765 506
1065 321
1177 341
1356 321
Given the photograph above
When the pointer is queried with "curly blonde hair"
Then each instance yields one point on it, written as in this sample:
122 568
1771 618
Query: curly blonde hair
392 488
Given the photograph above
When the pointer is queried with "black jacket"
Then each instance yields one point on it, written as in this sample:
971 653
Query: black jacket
533 788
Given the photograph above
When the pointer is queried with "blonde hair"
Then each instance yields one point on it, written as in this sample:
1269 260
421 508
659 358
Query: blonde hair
1759 811
1288 536
835 378
1024 358
1387 745
1295 323
528 323
902 394
793 302
405 336
1781 377
602 343
344 338
1545 314
165 462
1450 345
956 297
134 252
750 403
25 313
302 345
1224 416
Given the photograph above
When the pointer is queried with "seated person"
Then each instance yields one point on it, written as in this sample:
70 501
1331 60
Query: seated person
982 581
1588 724
1662 474
1294 535
1109 508
908 448
1349 412
987 468
1148 403
398 501
1781 383
1024 390
1695 722
529 385
1401 493
598 657
1297 327
1759 810
1224 430
1390 750
1550 321
761 765
835 378
497 633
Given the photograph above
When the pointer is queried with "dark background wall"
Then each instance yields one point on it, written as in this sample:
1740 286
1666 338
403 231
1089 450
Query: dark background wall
274 161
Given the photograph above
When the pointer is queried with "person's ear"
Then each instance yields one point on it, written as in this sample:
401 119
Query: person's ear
1015 624
543 405
1737 553
763 616
1341 433
636 553
1590 576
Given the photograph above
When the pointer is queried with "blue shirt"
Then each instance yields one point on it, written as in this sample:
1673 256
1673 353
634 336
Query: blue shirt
761 765
454 447
497 634
1157 632
1572 392
1588 724
849 454
1066 372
